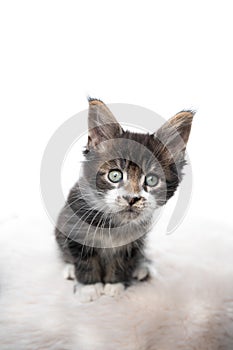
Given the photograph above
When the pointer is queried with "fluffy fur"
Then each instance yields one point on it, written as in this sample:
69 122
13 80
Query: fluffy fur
188 304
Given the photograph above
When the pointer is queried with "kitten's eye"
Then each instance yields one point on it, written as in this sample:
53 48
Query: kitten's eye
115 175
151 180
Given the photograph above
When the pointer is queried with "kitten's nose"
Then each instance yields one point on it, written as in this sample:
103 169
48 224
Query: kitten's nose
132 199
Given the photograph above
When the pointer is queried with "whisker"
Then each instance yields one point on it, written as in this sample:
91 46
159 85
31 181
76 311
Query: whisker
92 222
96 231
80 219
89 213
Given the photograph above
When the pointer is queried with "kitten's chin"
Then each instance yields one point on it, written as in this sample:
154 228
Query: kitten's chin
130 214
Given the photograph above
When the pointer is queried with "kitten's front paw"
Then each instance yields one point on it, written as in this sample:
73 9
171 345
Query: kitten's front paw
113 289
69 272
141 272
88 292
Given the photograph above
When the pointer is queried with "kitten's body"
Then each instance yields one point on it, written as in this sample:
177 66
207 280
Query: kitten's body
97 264
102 228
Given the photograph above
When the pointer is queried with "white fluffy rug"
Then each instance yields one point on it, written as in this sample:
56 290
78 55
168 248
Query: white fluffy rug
187 305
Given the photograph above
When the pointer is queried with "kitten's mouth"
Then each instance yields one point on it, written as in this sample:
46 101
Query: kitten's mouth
132 212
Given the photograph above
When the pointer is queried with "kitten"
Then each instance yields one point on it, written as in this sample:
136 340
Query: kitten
126 176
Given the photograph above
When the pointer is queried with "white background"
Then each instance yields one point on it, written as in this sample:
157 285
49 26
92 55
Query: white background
162 55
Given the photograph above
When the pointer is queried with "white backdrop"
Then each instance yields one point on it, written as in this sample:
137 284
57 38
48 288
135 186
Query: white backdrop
165 56
162 55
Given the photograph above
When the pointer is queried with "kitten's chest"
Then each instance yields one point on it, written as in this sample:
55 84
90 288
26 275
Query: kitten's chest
118 264
115 253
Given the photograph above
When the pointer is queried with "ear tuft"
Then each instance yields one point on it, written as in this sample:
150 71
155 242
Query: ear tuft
93 100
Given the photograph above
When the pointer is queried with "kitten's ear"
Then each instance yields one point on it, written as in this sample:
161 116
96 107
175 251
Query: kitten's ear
102 125
174 134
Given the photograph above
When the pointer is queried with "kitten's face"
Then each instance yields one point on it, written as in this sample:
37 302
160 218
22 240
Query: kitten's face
131 183
130 193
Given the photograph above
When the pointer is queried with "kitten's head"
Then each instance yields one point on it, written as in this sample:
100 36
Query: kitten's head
131 174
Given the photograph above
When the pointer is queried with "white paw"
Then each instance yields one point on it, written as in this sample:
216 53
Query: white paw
88 292
68 272
113 289
141 272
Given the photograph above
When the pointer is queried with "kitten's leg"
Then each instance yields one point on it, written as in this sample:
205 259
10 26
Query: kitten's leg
122 269
115 277
82 266
66 256
88 270
141 272
88 274
69 272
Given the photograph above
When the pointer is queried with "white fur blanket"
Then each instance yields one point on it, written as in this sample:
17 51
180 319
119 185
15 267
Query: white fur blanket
187 305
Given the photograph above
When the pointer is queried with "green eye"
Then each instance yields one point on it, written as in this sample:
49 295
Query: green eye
115 176
151 180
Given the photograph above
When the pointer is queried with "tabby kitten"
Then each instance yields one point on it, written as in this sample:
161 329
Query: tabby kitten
126 176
